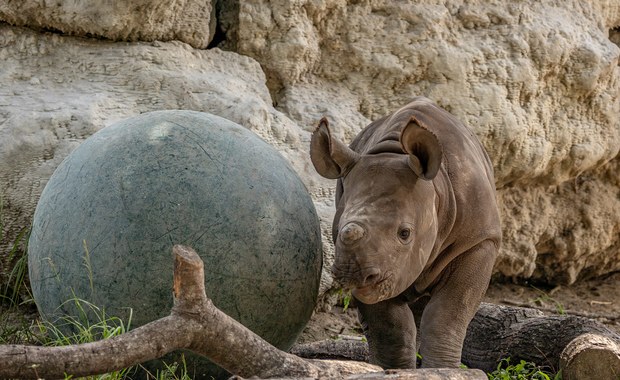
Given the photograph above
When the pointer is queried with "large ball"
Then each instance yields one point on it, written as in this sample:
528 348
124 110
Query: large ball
110 214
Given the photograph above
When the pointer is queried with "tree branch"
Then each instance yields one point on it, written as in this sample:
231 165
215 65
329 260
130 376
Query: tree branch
194 324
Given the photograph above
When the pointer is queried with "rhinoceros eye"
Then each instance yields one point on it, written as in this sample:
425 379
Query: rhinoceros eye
404 234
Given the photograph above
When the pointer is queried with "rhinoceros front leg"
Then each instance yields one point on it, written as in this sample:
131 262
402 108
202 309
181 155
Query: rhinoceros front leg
391 332
453 303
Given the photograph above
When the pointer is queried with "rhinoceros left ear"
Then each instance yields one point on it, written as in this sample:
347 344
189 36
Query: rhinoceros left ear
331 158
424 150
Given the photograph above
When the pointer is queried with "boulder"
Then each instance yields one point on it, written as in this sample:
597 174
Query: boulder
189 21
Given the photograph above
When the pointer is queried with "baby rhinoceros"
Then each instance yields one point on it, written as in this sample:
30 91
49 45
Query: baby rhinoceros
416 230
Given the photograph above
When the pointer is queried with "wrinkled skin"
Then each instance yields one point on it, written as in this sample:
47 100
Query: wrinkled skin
416 230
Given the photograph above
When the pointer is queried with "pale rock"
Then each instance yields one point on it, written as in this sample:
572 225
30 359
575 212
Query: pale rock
539 83
561 233
190 21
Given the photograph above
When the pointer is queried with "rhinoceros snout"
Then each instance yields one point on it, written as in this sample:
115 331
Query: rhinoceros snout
370 276
357 278
350 270
351 233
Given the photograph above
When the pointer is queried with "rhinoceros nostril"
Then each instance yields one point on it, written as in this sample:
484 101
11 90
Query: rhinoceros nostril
370 276
351 232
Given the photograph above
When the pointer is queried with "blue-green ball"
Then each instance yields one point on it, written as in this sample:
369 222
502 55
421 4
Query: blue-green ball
109 216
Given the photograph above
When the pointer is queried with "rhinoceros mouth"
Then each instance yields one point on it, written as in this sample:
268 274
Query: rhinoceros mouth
376 292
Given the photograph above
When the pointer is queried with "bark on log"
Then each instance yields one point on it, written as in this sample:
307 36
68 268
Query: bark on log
422 374
195 324
333 350
418 374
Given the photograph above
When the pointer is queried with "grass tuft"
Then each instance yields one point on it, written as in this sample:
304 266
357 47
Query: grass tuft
14 288
69 330
345 297
77 330
544 298
174 371
521 371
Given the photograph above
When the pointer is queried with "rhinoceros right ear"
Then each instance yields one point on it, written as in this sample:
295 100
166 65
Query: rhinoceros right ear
425 151
331 158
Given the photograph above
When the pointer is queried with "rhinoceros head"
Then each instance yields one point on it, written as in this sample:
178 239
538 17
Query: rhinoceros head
386 220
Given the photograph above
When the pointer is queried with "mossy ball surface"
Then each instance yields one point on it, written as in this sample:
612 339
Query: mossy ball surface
109 216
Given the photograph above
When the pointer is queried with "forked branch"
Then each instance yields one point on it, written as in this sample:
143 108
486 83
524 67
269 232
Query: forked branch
195 324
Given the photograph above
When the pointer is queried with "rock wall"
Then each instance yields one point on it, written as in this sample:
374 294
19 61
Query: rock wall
189 21
539 82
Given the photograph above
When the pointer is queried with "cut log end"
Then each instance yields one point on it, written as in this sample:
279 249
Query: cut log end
188 283
185 255
591 356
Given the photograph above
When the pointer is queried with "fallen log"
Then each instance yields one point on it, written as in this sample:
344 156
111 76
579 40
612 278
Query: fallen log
333 349
195 324
518 333
582 348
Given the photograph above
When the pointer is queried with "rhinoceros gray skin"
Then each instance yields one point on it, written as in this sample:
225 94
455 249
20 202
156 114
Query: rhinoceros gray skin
416 230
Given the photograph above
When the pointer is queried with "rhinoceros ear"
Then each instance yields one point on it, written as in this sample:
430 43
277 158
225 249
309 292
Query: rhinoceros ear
331 158
424 150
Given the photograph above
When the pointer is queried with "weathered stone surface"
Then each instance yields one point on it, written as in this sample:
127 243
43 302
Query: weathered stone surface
514 71
539 82
190 21
560 233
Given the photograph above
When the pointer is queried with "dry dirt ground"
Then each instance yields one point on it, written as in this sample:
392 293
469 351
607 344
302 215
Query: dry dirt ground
598 299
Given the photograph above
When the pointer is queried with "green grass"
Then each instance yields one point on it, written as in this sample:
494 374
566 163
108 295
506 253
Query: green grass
12 292
76 330
521 371
544 298
174 371
345 298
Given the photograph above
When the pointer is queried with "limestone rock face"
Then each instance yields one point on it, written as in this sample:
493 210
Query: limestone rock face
189 21
561 233
514 72
539 83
